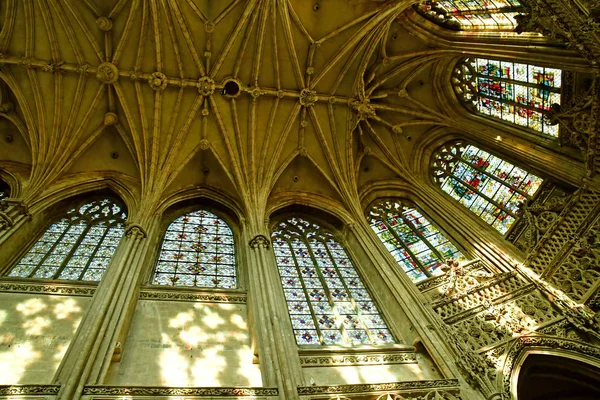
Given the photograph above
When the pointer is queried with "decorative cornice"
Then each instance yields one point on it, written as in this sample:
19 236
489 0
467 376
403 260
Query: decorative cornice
47 288
179 391
357 359
150 293
260 241
135 231
7 390
380 387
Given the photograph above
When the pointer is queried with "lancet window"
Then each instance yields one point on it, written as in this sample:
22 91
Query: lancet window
519 93
487 185
79 246
498 15
198 250
327 301
418 246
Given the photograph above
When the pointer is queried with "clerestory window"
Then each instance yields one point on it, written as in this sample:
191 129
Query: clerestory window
492 188
198 251
493 15
79 246
418 246
522 94
4 191
327 301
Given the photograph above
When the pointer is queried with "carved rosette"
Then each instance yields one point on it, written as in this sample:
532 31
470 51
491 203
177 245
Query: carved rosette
308 97
260 241
363 108
158 81
206 86
107 73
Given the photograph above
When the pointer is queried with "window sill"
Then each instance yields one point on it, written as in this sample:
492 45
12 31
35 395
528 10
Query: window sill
45 286
204 295
334 356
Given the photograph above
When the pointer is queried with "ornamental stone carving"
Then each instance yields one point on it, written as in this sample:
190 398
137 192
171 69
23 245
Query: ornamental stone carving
105 24
260 241
206 86
158 81
308 97
107 73
363 108
135 231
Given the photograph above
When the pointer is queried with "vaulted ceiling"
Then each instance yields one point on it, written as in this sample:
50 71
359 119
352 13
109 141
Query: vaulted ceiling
333 95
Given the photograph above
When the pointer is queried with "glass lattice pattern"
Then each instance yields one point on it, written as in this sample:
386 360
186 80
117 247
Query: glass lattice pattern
496 15
519 93
418 246
197 250
327 302
77 247
490 187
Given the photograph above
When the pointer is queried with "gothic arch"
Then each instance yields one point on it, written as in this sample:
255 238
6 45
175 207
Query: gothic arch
326 205
550 346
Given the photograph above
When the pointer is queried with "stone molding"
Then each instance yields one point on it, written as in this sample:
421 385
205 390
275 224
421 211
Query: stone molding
47 288
135 231
7 390
151 293
425 385
323 360
260 241
180 391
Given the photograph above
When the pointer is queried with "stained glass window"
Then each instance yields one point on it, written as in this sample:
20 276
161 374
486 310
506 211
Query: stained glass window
519 93
77 247
473 14
418 246
327 301
490 187
198 250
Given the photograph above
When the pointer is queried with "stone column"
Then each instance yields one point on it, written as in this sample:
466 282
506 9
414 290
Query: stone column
426 323
13 214
90 352
278 354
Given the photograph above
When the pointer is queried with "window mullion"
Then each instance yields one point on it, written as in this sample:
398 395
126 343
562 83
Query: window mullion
480 194
423 239
87 264
45 257
325 287
305 291
494 177
516 82
72 251
413 257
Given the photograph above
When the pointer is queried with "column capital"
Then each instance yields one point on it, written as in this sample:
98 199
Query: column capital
260 241
135 231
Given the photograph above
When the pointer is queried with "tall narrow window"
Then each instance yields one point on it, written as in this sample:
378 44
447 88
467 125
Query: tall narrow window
418 246
519 93
77 247
498 15
327 302
197 251
490 187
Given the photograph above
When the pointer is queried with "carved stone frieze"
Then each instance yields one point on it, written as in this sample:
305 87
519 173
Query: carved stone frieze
450 385
8 390
357 359
179 391
47 288
149 293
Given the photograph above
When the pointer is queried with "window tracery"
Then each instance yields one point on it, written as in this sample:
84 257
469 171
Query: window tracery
198 250
327 301
498 15
418 246
487 185
79 246
519 93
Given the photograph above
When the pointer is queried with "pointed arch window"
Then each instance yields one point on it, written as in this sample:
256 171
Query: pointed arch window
418 246
487 185
79 246
327 301
497 15
197 251
519 93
